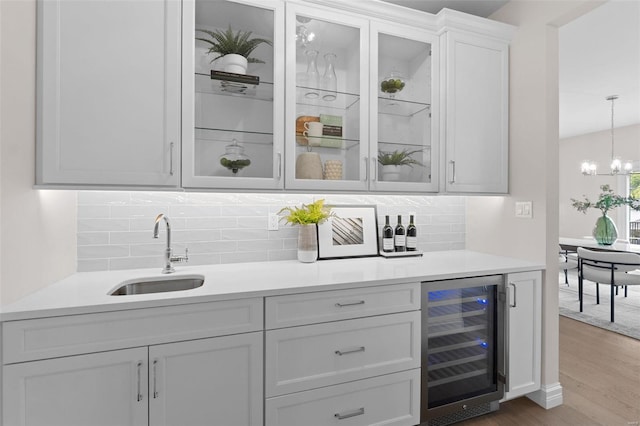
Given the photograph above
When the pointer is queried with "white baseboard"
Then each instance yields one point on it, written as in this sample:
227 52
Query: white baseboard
548 396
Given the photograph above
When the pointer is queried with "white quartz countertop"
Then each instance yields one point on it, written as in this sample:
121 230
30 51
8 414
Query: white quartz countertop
88 292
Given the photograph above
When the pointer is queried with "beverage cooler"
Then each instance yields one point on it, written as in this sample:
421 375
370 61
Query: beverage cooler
462 348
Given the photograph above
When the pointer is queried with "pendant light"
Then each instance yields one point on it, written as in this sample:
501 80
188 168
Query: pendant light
617 167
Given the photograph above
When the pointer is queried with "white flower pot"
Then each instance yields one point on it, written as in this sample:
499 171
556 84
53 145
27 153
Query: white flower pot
308 243
235 63
391 172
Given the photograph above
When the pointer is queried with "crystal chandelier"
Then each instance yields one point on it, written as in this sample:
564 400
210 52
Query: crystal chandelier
617 166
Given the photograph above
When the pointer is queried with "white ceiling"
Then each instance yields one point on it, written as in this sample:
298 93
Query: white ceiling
600 56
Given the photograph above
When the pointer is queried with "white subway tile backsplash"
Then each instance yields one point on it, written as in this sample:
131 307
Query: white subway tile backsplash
115 228
102 251
245 234
107 225
254 256
91 238
93 265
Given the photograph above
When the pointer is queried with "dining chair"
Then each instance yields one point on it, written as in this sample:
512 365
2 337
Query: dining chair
612 268
566 261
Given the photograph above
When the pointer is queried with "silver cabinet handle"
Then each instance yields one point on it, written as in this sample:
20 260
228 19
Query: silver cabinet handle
279 166
155 379
347 414
374 169
349 351
366 168
139 367
171 158
342 305
453 171
514 295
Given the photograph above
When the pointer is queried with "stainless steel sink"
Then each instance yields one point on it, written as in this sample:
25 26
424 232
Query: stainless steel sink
158 285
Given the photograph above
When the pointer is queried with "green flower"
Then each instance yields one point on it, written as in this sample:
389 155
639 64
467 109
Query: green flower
606 201
226 42
315 212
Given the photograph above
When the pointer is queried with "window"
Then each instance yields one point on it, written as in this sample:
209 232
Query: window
634 216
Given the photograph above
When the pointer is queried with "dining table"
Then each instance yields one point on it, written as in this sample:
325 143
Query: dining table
571 245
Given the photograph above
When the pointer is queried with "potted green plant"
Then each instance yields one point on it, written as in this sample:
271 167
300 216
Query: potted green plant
233 47
307 217
393 161
605 231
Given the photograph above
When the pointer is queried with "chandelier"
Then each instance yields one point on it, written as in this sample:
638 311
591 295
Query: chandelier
617 166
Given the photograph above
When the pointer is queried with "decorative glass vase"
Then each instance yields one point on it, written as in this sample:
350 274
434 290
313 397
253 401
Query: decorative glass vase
605 231
329 82
312 77
308 243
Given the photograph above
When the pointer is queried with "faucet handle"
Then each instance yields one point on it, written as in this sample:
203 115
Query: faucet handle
180 258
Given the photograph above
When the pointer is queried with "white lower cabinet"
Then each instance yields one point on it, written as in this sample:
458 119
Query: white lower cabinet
392 399
312 356
211 381
523 333
102 389
208 381
185 365
345 363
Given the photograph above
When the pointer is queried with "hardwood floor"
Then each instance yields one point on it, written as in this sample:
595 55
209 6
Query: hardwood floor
600 377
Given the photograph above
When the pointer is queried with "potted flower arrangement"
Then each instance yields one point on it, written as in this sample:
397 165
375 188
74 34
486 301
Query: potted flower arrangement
392 162
605 231
307 217
234 48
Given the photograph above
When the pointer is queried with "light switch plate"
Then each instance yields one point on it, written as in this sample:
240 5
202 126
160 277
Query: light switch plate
524 209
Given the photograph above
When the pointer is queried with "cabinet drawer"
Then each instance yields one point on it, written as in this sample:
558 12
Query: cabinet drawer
310 308
30 340
302 358
390 399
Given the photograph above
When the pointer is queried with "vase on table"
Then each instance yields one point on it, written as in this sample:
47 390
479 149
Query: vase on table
605 231
308 243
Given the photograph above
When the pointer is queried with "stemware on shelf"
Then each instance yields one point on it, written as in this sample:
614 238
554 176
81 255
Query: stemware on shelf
329 82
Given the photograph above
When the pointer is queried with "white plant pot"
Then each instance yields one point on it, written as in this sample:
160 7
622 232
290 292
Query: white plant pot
391 172
235 63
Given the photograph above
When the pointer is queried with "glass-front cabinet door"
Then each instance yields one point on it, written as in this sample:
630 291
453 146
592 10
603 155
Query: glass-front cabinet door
404 123
326 126
233 94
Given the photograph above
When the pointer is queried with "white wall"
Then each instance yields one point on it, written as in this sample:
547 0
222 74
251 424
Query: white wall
115 228
596 147
533 164
37 228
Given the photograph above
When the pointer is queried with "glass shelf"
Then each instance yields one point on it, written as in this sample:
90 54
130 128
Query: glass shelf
262 91
225 136
330 143
400 107
342 101
405 144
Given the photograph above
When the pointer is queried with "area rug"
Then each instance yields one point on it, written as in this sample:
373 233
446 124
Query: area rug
627 309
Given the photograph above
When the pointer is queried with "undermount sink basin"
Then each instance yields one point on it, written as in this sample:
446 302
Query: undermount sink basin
158 285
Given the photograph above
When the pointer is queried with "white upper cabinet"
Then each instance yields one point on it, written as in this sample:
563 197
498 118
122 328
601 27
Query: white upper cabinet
476 112
108 103
404 131
232 119
327 110
136 94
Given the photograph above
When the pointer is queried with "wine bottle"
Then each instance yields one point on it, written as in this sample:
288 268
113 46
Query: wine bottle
412 235
400 240
387 236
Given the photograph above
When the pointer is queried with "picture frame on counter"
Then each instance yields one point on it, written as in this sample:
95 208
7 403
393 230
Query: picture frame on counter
352 231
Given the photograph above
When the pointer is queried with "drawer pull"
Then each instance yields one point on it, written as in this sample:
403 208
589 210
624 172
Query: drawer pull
347 414
342 305
155 379
139 373
349 351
